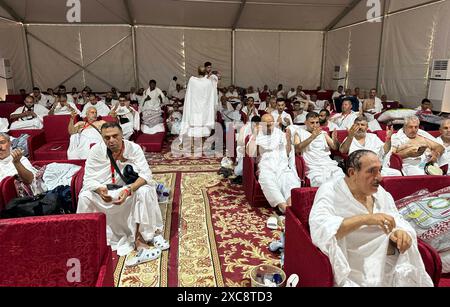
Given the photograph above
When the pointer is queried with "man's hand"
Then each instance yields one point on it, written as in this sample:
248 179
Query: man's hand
16 154
316 132
122 197
103 192
287 121
386 222
389 132
334 136
353 130
33 114
402 239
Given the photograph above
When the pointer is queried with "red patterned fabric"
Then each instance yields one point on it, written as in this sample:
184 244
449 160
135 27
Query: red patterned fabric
35 251
304 259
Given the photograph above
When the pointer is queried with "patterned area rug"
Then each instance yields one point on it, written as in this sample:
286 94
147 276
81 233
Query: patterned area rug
154 273
216 236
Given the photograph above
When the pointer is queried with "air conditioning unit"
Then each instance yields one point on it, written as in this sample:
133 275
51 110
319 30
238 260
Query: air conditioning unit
339 76
439 88
6 82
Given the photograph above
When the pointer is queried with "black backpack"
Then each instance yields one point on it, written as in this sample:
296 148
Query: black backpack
57 201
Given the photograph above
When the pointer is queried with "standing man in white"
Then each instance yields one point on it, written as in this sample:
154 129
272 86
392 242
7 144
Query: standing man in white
199 107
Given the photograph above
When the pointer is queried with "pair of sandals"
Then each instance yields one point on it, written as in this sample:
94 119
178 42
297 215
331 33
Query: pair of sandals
146 255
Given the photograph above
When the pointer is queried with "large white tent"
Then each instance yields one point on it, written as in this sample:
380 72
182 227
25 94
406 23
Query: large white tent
124 43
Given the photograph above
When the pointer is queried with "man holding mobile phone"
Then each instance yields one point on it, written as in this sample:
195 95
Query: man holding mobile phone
416 147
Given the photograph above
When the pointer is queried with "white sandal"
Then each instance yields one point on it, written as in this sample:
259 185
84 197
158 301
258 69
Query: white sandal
144 255
160 243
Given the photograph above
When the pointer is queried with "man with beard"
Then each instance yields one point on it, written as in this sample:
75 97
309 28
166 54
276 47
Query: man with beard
63 107
355 222
324 121
345 120
30 116
359 139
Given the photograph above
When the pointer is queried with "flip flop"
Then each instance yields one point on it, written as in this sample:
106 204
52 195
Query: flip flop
144 255
160 243
272 223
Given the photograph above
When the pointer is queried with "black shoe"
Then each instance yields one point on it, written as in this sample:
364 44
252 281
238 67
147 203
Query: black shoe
237 180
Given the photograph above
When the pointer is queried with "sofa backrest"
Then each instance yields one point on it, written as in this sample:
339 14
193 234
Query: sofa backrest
302 202
400 187
45 251
56 128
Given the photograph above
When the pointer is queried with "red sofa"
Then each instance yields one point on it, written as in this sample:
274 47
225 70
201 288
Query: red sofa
17 99
6 109
37 251
302 257
54 142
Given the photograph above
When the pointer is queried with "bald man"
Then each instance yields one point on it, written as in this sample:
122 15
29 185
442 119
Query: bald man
272 148
84 134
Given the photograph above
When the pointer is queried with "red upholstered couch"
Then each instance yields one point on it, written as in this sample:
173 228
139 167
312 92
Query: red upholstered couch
34 140
302 257
152 142
17 99
54 142
7 108
41 251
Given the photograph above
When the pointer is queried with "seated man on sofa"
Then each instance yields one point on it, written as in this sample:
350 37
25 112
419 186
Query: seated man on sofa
84 134
272 148
132 211
416 147
444 140
30 116
355 222
13 162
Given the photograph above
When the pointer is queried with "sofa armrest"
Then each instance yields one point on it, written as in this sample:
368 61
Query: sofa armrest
36 142
431 260
106 273
303 258
248 178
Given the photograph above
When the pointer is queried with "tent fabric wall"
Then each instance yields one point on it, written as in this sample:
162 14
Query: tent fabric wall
337 53
289 58
13 48
80 46
406 57
165 52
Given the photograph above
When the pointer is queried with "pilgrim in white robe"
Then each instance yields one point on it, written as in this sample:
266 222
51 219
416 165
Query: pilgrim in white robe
43 101
413 166
140 208
320 167
360 259
59 110
199 108
152 120
283 115
7 168
250 113
30 122
300 118
445 158
374 144
344 122
262 106
130 121
81 143
172 88
101 107
291 94
255 97
4 124
276 176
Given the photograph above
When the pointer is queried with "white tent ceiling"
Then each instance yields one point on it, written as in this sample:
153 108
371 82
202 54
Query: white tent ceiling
255 14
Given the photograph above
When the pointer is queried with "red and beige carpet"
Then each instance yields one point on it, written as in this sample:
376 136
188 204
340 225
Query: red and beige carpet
216 236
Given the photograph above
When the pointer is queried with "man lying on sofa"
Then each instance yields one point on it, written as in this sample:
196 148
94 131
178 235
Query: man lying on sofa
355 222
13 162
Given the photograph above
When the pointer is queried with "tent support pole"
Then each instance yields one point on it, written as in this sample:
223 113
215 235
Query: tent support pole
135 66
380 51
27 54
